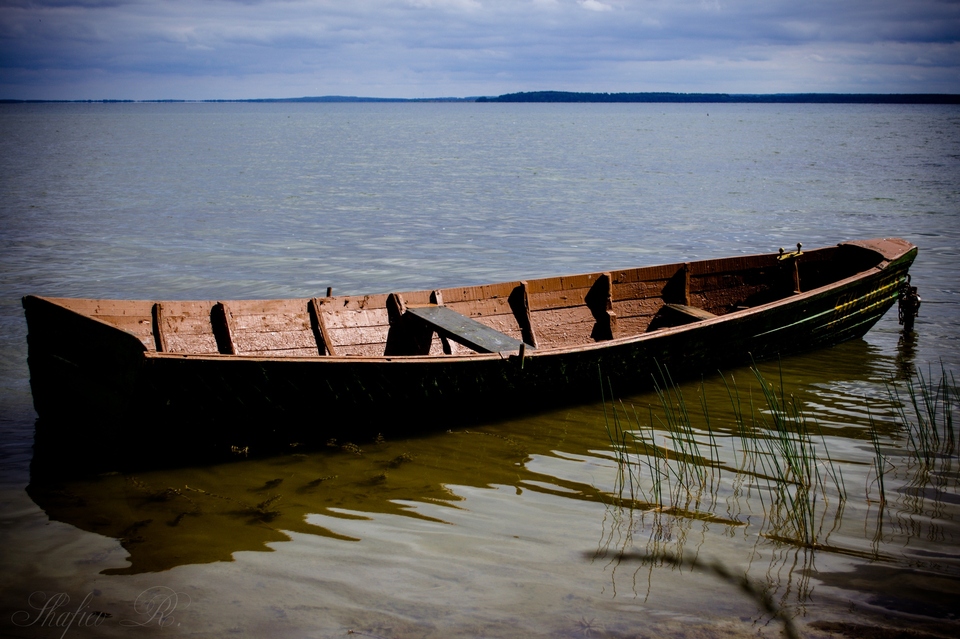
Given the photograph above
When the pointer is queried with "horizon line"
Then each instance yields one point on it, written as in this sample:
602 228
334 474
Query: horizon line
569 97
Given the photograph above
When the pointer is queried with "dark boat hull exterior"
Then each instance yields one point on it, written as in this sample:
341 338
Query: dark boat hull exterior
94 383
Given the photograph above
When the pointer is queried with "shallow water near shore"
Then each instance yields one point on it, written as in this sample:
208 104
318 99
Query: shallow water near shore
515 528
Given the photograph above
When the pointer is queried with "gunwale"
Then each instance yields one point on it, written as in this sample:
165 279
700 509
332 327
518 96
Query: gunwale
792 300
532 354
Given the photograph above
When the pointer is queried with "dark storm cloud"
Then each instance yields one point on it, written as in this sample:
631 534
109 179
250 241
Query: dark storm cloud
415 48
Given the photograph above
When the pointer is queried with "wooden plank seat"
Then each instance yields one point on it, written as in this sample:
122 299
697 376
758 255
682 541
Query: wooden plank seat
464 330
689 314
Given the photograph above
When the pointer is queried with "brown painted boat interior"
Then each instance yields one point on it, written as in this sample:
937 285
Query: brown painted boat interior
544 313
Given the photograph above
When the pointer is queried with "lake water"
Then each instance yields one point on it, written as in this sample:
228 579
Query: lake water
511 529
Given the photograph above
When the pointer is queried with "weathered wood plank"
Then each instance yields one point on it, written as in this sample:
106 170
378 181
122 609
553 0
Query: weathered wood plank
98 308
478 309
321 334
348 344
266 307
453 296
638 290
354 328
645 274
252 343
160 341
271 322
358 303
339 318
565 283
464 330
505 324
188 334
135 317
262 327
139 325
630 326
289 352
696 314
548 317
187 327
557 299
562 327
634 316
342 339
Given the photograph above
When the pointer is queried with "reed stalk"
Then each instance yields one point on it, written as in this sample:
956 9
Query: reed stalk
879 463
778 448
930 429
780 453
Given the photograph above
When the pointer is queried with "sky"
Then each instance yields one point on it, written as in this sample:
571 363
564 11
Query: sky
240 49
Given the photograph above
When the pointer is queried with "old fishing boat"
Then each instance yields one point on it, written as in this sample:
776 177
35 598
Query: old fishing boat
232 373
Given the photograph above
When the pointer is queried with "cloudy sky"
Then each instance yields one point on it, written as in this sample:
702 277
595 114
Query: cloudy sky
209 49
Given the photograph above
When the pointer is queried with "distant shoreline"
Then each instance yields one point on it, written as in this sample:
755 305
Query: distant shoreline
575 97
324 98
721 98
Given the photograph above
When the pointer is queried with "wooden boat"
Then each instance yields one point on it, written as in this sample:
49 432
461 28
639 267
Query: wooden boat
228 373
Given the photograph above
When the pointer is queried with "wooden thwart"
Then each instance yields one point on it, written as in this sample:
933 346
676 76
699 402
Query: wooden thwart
690 313
464 330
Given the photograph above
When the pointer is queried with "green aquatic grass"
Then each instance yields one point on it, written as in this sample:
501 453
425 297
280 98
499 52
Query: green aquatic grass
754 464
879 463
801 466
672 462
929 426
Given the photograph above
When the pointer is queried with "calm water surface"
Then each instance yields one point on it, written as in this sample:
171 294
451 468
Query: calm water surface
512 529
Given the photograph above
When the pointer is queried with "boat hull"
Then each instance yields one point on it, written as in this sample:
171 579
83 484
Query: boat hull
97 385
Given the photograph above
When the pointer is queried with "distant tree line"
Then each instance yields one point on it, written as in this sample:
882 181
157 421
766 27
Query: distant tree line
775 98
